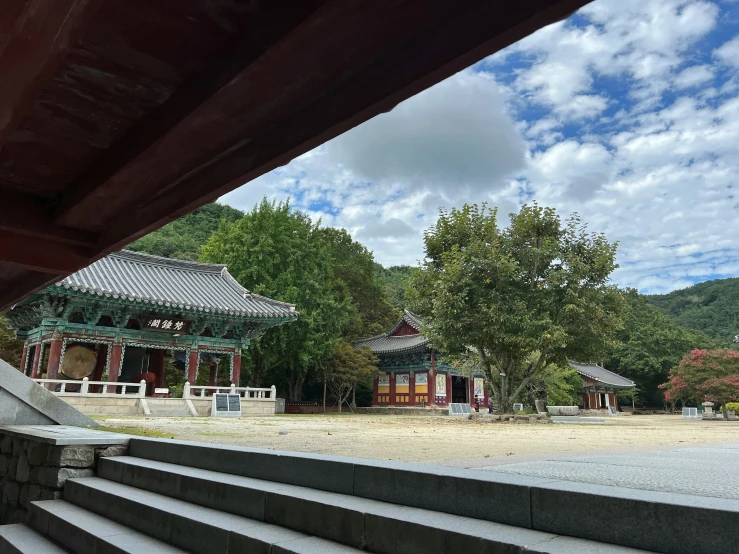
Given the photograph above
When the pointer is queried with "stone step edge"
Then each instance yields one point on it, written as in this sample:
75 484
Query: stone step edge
366 524
583 510
45 517
19 537
194 528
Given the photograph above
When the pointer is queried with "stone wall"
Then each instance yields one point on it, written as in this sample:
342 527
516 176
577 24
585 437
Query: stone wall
33 470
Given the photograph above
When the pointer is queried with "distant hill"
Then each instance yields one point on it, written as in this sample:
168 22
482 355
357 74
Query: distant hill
711 307
183 238
394 279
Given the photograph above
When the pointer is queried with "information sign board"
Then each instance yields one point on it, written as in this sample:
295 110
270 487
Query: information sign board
226 405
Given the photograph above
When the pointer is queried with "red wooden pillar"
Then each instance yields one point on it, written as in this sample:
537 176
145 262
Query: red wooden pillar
375 382
486 392
449 388
22 367
115 362
35 370
392 389
156 363
237 369
432 382
55 356
192 367
412 388
471 390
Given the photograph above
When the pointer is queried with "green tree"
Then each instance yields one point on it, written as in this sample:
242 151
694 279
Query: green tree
279 252
353 272
11 349
531 295
346 368
183 238
648 344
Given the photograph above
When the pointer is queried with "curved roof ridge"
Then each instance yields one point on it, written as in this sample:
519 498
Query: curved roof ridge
231 280
140 257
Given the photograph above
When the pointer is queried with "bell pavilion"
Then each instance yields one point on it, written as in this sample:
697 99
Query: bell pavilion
119 315
413 374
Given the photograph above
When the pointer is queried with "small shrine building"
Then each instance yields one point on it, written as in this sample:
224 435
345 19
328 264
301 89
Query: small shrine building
600 386
412 373
119 315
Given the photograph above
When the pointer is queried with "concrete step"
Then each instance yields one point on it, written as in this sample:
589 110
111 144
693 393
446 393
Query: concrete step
359 522
196 528
84 532
556 506
21 539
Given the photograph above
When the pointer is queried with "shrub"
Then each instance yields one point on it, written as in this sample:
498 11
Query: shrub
732 406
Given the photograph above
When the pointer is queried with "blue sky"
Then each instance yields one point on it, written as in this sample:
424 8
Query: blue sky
627 113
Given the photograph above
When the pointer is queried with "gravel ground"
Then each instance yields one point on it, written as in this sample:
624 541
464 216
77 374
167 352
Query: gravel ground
451 441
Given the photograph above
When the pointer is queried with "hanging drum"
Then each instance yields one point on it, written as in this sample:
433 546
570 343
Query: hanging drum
79 361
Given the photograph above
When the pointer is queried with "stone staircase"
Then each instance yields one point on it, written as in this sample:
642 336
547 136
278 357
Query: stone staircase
171 496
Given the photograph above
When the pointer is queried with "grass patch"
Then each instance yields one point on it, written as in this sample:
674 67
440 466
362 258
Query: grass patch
136 431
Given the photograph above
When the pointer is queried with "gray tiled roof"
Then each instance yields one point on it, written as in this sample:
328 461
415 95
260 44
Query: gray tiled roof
410 318
602 375
189 286
385 344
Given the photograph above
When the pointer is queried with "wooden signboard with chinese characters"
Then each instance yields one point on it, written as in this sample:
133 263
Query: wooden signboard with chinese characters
166 325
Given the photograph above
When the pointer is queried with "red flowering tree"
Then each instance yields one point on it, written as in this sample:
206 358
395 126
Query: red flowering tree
704 375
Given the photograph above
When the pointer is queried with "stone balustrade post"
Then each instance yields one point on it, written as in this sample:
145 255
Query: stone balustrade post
85 386
273 392
142 388
186 390
233 388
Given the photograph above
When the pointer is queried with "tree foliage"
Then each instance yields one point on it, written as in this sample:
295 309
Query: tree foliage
353 272
183 238
704 375
395 280
11 349
711 307
531 295
348 366
279 252
648 344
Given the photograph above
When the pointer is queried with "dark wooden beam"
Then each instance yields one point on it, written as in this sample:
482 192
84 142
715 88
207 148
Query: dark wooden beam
80 204
27 216
429 42
32 48
29 283
37 254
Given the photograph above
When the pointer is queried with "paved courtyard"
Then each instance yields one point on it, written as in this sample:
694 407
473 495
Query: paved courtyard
446 440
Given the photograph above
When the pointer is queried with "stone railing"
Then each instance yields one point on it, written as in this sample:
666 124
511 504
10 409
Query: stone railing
250 393
105 387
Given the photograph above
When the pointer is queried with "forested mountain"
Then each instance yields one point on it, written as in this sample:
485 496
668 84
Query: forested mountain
394 279
183 238
711 307
648 344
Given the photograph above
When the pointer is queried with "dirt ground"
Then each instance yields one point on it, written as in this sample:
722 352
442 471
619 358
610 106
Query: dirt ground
431 439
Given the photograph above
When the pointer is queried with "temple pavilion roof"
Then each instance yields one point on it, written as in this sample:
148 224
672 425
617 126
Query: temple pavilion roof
602 375
189 286
389 343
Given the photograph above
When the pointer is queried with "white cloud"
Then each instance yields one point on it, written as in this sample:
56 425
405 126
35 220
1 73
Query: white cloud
728 53
693 76
627 114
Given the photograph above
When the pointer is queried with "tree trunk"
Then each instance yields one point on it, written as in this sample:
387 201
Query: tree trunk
354 396
296 386
324 396
725 411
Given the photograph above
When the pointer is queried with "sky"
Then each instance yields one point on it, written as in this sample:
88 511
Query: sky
626 113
